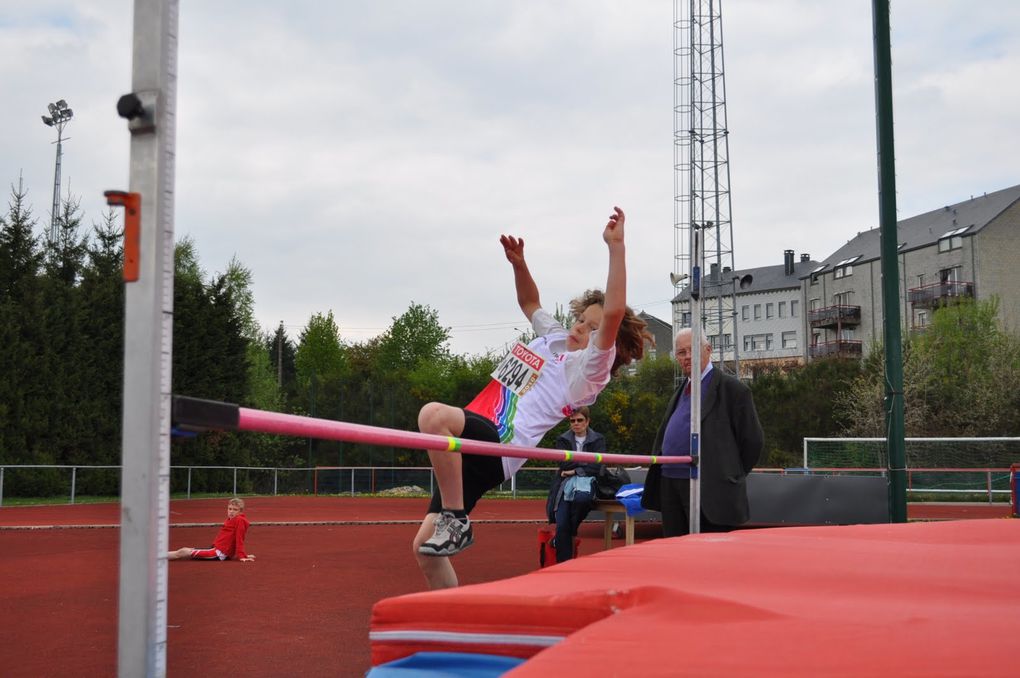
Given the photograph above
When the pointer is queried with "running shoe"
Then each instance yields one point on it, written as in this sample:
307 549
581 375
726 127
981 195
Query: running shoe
451 537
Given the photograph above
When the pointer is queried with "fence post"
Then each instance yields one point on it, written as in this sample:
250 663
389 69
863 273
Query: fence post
235 481
74 478
189 482
1 485
988 475
276 478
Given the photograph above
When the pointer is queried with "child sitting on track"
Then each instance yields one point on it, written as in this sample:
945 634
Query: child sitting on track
229 542
533 388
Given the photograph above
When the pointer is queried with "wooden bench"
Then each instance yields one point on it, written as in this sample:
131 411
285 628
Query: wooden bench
610 508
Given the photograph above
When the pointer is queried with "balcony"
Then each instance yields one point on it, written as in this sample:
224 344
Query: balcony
835 316
841 348
940 294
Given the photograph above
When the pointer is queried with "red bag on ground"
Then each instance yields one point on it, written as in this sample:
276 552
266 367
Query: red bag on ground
546 548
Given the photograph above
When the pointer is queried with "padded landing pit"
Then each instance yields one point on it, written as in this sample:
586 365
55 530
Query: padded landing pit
906 599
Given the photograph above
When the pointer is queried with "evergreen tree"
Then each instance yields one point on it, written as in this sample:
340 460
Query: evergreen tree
102 301
64 352
20 255
281 351
22 402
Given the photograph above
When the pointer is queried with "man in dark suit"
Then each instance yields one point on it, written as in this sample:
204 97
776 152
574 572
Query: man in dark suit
731 443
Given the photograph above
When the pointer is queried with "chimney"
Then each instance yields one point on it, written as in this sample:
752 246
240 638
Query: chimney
713 271
805 257
788 261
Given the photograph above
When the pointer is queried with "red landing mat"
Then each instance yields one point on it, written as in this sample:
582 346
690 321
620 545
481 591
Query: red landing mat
908 599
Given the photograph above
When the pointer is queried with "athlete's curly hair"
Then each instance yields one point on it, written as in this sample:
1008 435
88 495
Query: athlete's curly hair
630 338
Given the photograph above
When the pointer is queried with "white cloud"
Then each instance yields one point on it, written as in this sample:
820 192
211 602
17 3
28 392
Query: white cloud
360 156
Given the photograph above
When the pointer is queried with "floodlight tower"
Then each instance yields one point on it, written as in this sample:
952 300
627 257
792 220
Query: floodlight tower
59 116
701 167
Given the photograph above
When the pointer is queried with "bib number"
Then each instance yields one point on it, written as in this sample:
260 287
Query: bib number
519 370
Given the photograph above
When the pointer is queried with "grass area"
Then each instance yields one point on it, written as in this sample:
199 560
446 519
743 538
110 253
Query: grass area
65 500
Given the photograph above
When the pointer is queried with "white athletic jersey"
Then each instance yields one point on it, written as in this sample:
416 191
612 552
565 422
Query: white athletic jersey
535 387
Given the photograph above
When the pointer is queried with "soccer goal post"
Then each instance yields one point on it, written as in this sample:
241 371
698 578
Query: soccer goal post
871 453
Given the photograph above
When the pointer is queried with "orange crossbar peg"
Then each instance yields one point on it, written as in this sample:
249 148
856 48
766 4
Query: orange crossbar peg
132 203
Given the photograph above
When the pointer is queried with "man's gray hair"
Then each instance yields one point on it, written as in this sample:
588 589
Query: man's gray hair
704 338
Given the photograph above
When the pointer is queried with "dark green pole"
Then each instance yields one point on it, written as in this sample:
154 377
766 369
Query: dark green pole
890 265
311 441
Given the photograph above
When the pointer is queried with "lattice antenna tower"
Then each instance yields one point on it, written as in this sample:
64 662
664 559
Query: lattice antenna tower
701 163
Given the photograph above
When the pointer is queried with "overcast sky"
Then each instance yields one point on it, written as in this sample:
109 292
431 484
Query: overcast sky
358 156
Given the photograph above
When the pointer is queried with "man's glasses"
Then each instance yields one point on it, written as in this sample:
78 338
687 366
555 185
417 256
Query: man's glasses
577 421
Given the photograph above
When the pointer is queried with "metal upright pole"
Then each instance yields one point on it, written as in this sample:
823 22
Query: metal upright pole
694 378
150 109
55 213
895 429
736 346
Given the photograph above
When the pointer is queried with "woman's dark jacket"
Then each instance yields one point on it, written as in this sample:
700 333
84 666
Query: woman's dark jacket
593 442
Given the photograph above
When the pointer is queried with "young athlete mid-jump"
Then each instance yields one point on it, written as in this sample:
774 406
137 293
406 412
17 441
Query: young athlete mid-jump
531 391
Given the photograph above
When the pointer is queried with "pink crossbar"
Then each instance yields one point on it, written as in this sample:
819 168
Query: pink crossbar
295 425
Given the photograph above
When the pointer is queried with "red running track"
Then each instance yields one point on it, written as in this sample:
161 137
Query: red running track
302 609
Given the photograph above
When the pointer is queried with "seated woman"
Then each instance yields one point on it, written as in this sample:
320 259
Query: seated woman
572 492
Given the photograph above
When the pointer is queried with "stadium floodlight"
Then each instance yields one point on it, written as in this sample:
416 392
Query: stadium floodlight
59 116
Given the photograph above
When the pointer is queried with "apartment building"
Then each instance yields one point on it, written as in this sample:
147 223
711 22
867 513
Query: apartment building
969 250
762 315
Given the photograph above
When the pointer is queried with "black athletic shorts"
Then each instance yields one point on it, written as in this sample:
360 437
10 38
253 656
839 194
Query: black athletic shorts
480 473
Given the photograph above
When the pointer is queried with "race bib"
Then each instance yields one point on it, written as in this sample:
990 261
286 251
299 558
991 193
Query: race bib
519 370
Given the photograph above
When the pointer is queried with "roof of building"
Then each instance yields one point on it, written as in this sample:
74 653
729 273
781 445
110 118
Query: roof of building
967 218
653 321
762 279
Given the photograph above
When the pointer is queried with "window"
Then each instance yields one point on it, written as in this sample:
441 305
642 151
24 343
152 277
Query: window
813 304
842 298
685 319
782 309
757 342
922 319
815 337
757 311
920 280
845 268
815 273
952 240
728 341
713 341
794 306
954 243
789 340
745 312
949 275
846 334
770 310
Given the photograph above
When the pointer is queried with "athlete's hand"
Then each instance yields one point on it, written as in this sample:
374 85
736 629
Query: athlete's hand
250 558
513 248
614 228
